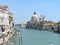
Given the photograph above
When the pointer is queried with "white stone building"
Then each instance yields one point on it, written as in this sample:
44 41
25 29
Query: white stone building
4 22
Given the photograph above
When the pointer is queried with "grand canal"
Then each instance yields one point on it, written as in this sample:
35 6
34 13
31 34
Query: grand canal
35 37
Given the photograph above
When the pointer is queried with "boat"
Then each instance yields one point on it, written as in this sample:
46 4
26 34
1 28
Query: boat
10 43
50 44
18 33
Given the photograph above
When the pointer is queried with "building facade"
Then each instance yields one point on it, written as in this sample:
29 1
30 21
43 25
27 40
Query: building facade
57 27
6 22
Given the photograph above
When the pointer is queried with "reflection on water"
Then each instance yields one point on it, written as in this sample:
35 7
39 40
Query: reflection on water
35 37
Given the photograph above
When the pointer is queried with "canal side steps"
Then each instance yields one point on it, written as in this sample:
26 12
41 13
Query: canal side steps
10 35
14 33
6 39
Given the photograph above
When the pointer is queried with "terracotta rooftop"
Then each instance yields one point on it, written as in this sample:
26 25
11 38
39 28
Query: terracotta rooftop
4 7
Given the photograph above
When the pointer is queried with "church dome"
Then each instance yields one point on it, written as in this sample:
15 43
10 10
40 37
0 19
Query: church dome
34 17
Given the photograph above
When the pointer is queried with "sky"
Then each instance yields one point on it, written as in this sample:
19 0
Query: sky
24 9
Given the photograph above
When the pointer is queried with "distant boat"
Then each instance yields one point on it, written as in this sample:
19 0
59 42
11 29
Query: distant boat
57 32
18 33
10 43
50 44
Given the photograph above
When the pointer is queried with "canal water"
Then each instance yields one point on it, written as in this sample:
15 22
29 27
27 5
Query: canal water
35 37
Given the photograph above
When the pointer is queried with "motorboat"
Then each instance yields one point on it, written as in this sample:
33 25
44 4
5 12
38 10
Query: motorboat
50 44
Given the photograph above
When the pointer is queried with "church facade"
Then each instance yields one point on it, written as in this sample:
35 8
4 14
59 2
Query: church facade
39 23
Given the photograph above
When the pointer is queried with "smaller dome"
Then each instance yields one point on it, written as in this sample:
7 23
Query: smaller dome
42 16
